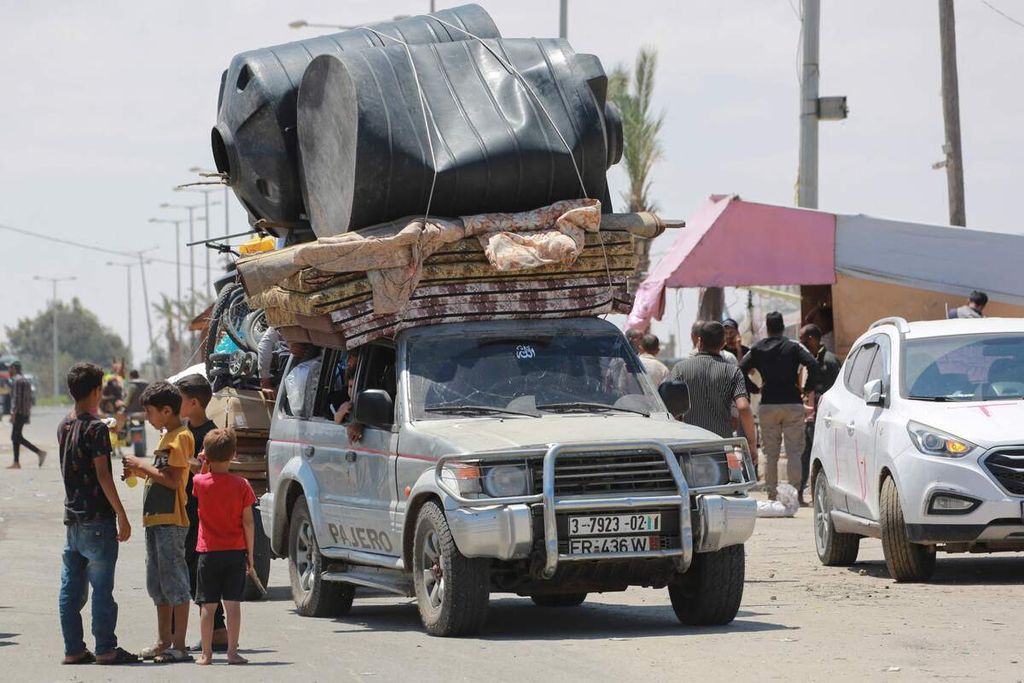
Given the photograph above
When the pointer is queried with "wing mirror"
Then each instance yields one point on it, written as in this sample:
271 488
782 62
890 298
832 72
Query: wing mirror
874 394
374 408
676 396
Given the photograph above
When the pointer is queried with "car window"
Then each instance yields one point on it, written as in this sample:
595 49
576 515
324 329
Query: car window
332 391
857 372
971 367
378 371
880 364
299 387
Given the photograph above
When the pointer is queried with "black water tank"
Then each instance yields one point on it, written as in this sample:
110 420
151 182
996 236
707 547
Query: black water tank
498 145
254 141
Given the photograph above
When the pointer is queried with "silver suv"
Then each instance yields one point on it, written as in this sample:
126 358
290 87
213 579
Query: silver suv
527 457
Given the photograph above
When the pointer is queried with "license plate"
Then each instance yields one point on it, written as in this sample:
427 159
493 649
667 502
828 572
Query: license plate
612 544
601 525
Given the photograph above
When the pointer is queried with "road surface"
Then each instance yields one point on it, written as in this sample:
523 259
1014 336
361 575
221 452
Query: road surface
799 621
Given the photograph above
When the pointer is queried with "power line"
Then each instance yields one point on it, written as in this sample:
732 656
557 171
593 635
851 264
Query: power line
1001 13
70 243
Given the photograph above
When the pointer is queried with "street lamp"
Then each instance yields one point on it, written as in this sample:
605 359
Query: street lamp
56 372
177 272
206 204
227 203
128 288
191 251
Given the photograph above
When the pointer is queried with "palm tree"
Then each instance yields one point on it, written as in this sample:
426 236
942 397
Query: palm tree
640 138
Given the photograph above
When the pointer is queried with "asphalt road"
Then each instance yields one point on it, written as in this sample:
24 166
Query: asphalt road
799 621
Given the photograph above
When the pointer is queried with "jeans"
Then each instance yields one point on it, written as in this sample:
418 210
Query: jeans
89 559
17 439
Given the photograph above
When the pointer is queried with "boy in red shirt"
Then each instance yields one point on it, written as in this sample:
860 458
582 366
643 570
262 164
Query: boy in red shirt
225 544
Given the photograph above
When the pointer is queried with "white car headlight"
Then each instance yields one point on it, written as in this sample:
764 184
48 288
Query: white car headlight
506 481
931 441
706 470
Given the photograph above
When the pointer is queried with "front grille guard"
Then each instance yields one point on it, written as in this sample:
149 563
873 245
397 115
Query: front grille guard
552 505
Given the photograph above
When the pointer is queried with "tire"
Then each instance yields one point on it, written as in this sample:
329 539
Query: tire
564 600
709 593
261 559
907 562
834 549
313 596
452 591
213 333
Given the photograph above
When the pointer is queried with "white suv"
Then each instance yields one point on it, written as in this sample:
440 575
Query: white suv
921 443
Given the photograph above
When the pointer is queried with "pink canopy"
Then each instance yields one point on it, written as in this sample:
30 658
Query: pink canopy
733 243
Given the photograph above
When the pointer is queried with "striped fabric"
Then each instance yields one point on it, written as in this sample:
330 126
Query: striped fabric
714 385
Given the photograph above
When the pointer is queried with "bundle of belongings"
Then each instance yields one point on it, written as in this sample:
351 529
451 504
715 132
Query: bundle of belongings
563 260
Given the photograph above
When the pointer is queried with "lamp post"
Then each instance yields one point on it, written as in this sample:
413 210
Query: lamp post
177 273
191 251
56 371
128 288
206 217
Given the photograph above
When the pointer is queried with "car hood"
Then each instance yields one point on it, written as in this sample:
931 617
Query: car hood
986 423
476 435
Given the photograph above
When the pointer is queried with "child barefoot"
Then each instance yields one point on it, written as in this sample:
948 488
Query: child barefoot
225 541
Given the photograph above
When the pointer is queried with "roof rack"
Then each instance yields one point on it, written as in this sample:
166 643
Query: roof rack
901 323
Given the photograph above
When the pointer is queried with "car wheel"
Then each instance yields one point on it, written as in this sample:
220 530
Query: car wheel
313 596
564 600
907 562
709 593
834 549
452 590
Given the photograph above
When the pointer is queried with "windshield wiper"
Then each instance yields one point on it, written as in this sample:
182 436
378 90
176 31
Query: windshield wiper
943 399
475 410
586 406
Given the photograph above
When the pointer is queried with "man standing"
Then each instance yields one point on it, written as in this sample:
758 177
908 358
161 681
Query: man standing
649 348
781 415
818 382
21 411
716 386
974 308
725 353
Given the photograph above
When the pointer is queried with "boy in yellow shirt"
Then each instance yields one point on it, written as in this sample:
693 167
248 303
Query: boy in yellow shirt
166 521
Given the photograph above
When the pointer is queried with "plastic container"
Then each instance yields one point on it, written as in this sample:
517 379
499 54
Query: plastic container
364 144
254 140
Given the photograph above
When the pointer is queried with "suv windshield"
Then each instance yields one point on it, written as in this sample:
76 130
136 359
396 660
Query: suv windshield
965 368
526 376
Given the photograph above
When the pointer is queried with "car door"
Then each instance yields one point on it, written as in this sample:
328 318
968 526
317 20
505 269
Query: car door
870 424
840 418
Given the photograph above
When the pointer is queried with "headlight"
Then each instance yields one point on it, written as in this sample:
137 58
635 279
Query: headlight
932 441
703 469
505 481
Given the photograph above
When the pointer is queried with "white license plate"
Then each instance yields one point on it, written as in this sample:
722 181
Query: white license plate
602 525
610 544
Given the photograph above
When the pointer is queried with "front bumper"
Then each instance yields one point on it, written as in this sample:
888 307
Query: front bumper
502 528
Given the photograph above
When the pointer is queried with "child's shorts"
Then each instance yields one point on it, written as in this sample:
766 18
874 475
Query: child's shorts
166 571
221 576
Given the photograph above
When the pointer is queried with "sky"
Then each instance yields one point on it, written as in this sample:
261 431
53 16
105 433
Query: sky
107 105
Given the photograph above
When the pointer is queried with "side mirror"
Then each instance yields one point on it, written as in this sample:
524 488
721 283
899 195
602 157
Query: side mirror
873 393
676 396
374 408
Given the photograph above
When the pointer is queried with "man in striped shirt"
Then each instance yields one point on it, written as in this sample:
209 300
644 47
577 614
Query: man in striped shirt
716 385
21 410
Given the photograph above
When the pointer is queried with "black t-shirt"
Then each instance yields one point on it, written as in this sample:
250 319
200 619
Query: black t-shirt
82 439
778 359
199 433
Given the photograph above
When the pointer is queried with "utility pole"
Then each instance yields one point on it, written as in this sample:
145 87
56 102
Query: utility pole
128 288
56 370
951 115
812 107
563 19
145 301
177 279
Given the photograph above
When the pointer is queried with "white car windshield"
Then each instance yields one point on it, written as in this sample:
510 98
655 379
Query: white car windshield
972 367
528 376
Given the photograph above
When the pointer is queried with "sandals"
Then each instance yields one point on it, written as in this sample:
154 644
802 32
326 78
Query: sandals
121 656
84 658
172 656
150 652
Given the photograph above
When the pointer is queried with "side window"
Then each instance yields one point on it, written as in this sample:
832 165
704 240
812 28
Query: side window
379 371
857 372
299 387
880 365
332 391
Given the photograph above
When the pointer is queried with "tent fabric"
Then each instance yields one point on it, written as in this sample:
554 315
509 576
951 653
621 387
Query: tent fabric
733 243
939 258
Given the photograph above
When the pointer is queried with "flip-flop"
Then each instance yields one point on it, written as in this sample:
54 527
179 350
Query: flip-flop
172 656
121 656
150 652
85 658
